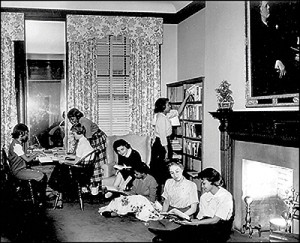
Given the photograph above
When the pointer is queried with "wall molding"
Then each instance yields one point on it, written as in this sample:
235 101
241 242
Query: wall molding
60 15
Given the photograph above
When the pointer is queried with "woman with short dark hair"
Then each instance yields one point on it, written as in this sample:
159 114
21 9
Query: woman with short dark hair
214 220
161 152
128 157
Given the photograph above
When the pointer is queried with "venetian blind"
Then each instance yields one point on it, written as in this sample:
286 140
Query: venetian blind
113 60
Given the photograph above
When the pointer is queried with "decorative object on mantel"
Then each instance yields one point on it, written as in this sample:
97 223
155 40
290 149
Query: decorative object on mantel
247 226
224 96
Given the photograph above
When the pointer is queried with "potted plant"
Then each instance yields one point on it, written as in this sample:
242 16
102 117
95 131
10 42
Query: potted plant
224 95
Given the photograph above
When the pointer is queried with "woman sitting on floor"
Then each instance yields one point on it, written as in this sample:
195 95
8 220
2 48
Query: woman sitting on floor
180 199
127 157
214 220
140 199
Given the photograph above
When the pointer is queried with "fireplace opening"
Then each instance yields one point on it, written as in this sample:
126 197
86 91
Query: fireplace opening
269 186
264 172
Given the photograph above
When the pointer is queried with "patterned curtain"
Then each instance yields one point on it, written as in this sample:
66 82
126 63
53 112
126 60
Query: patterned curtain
82 86
12 28
144 87
145 68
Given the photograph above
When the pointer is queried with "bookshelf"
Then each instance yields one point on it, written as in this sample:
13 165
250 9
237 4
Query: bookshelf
187 138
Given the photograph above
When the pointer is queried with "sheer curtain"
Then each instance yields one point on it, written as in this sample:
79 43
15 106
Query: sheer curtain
145 66
12 29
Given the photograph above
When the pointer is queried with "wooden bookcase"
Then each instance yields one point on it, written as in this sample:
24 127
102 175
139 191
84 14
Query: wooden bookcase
187 138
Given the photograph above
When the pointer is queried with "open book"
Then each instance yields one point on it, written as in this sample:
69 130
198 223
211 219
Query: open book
121 167
177 214
114 189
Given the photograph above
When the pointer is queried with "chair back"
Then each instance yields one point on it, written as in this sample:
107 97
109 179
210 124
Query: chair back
5 166
140 143
89 159
85 166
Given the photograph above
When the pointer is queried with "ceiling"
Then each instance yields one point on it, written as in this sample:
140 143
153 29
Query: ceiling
119 6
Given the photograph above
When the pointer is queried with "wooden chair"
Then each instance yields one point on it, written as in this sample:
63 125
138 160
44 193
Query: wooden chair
81 173
22 189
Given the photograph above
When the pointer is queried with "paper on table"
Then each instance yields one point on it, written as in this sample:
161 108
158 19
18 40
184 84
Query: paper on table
45 159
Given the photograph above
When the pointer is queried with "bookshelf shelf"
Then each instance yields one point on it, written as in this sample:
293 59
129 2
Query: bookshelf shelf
189 133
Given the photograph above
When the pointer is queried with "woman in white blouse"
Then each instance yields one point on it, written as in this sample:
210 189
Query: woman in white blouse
214 220
180 198
179 192
161 152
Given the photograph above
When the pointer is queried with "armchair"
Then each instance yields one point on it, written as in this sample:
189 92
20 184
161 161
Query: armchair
138 142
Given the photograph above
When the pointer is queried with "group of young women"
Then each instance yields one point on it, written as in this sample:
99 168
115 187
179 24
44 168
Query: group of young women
144 188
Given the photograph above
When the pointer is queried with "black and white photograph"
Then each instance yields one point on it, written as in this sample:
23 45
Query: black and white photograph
149 121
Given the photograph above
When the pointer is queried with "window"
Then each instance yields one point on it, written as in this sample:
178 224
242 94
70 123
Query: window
113 64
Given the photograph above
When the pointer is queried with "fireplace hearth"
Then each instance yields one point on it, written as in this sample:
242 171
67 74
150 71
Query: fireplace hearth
269 137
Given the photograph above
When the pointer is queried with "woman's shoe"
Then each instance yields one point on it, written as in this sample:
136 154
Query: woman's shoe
106 214
157 239
58 202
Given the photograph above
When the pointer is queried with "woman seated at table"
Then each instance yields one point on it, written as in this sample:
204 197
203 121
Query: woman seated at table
60 178
214 221
140 200
127 156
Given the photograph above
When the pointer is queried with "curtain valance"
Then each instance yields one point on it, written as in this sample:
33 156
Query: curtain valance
12 26
84 27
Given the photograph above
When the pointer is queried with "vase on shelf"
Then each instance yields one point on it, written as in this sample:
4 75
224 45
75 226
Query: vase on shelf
224 96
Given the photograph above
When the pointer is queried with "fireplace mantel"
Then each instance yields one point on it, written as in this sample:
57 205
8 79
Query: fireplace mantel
267 127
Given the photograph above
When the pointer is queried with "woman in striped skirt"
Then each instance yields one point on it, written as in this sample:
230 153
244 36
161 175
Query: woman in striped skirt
96 137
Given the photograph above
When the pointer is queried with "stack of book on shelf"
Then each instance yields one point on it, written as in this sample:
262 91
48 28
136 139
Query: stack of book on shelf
193 130
177 156
193 112
176 146
193 148
196 91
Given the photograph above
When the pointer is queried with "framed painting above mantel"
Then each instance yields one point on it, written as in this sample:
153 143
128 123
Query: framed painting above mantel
272 53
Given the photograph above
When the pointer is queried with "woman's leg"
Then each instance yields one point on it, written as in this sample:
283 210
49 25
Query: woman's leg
39 177
98 141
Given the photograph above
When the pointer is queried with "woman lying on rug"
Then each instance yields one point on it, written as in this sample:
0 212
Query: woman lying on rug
140 199
214 220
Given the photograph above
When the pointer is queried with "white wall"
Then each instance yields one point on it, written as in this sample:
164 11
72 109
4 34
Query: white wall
191 46
224 59
182 54
168 57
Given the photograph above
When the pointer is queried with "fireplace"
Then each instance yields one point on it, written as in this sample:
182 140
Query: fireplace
267 140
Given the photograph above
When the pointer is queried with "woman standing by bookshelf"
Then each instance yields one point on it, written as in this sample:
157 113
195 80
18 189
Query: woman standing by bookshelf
161 152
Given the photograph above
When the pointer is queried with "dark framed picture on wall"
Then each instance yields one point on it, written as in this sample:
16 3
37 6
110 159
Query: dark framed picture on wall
272 53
